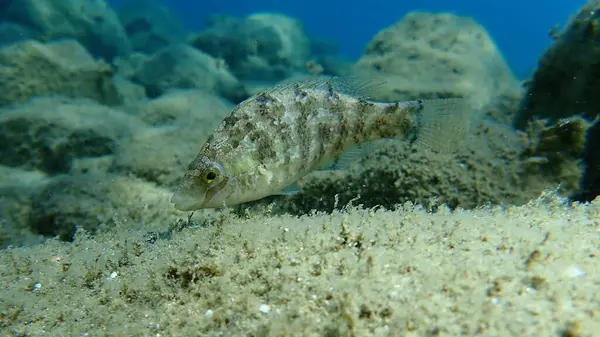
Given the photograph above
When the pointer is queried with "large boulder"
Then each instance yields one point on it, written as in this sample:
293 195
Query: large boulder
565 85
184 108
431 55
150 25
93 23
30 68
47 133
262 46
181 66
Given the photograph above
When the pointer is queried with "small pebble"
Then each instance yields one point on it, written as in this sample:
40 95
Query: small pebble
265 308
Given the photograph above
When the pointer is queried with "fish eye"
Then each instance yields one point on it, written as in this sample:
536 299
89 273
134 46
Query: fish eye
210 176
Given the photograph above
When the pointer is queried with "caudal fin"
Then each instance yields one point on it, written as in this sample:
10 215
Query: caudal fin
444 125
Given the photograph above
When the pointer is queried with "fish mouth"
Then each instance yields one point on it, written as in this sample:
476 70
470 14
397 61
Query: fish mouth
185 202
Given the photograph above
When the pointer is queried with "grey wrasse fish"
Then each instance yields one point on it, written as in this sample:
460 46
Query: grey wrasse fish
279 135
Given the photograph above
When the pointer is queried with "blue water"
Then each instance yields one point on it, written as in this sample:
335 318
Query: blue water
519 27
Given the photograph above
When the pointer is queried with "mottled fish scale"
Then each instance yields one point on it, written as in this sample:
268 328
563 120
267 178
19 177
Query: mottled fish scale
277 136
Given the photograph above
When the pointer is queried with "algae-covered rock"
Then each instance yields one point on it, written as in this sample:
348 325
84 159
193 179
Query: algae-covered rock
261 46
129 93
99 201
184 67
493 271
160 155
128 65
590 185
565 85
16 187
30 69
150 25
93 23
432 55
48 133
565 82
184 107
553 154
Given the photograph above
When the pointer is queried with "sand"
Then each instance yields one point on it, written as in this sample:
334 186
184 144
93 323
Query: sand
529 270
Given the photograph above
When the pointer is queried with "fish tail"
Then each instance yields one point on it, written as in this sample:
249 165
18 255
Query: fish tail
442 125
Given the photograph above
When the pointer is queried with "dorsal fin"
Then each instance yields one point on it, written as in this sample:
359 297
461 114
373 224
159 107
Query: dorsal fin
355 86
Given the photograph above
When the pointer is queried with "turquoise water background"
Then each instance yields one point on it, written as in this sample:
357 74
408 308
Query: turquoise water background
519 27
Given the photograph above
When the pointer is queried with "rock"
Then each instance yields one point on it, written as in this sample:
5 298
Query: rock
590 185
129 92
184 120
262 46
16 186
432 55
552 155
99 201
184 67
11 32
565 86
48 133
565 82
128 65
30 69
93 23
150 25
159 155
184 107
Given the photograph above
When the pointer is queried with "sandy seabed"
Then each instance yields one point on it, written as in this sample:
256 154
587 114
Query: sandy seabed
532 270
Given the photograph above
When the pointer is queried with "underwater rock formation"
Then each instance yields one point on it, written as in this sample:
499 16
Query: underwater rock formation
183 107
63 204
565 85
262 46
30 68
47 133
150 25
432 55
184 67
16 189
93 23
